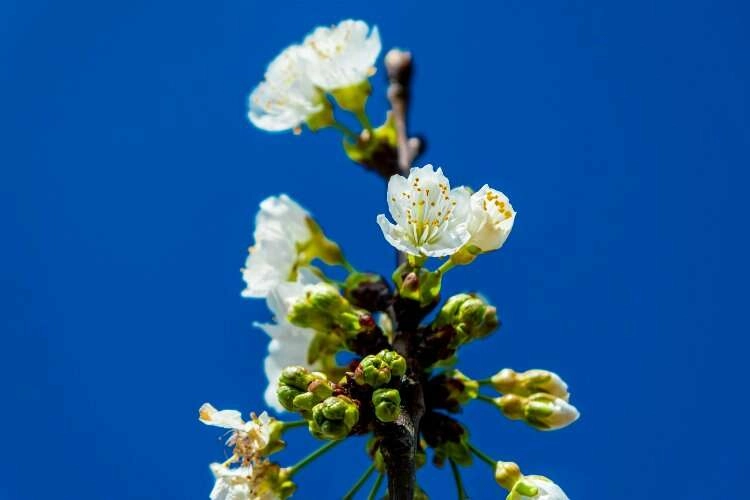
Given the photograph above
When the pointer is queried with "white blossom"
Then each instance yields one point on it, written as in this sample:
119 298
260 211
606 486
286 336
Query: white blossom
249 438
287 97
280 228
240 483
289 343
491 220
547 489
430 217
342 55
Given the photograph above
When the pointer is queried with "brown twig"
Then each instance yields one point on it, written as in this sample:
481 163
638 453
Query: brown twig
398 65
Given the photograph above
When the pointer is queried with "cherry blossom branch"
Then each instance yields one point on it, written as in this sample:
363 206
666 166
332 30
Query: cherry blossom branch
399 439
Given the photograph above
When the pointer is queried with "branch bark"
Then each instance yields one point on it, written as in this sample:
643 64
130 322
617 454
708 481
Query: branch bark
400 439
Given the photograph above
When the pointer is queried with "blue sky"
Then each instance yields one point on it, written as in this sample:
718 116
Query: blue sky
130 178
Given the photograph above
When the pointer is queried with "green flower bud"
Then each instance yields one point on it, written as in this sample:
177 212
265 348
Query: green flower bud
286 395
418 283
323 309
387 403
470 316
541 411
298 377
530 382
305 401
334 418
377 369
321 387
507 474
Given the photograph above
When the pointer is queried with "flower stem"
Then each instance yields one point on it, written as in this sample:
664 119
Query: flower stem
487 399
346 265
292 425
360 482
376 487
364 120
312 456
349 133
446 266
483 456
485 381
459 483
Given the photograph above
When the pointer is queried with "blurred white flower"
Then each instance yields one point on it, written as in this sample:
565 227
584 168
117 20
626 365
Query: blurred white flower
280 229
241 483
546 489
287 96
249 438
231 484
491 220
289 343
430 217
342 55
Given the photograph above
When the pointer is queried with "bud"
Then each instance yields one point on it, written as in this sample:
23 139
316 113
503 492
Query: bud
334 418
530 382
418 283
507 474
298 377
322 308
286 394
387 403
461 388
469 315
376 370
299 390
542 411
293 383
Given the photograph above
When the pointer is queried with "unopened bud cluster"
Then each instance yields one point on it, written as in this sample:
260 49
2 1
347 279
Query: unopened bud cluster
470 316
378 369
311 395
324 309
538 397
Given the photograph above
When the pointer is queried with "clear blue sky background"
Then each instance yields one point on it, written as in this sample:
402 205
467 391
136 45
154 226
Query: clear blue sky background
130 178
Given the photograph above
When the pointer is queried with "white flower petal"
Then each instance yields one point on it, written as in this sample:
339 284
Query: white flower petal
227 419
287 97
547 489
232 484
280 227
343 55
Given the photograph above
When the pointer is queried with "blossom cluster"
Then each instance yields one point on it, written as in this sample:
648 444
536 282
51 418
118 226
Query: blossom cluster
316 317
333 60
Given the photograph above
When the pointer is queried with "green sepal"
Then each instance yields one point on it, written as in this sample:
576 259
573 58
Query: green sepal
354 97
